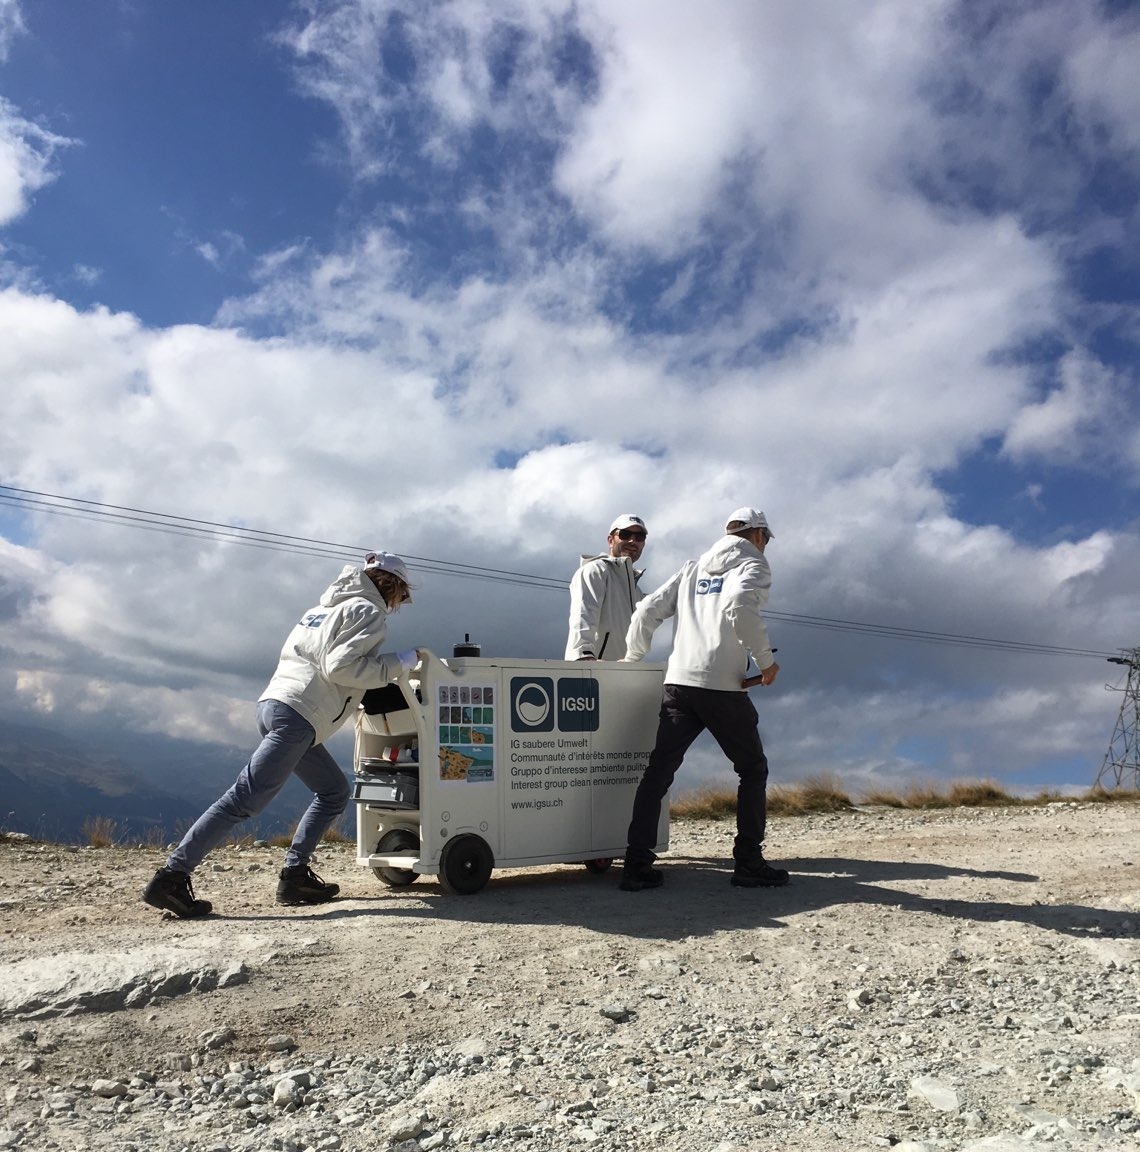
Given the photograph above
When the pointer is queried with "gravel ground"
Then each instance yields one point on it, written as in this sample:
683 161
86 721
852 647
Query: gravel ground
960 980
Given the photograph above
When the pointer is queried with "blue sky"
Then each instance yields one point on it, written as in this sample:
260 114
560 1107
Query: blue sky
466 280
160 166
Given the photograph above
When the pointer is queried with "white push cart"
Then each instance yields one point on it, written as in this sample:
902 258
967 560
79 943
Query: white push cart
474 763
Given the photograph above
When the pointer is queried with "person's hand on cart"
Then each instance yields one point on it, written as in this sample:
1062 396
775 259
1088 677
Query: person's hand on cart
764 678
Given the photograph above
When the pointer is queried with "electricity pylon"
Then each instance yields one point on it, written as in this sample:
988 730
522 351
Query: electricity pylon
1121 767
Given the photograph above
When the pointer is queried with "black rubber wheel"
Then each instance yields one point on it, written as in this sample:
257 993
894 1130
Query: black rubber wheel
465 865
397 840
600 865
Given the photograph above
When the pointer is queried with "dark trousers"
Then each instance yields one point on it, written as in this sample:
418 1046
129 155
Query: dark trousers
731 719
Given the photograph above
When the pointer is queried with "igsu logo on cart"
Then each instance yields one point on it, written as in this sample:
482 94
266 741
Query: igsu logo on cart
535 705
532 704
577 705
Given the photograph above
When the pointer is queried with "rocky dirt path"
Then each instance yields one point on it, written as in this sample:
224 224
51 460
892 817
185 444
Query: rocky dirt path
965 980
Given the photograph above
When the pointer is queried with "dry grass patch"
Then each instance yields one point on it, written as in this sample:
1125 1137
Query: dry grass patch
819 794
826 794
245 840
100 831
921 794
926 795
704 804
1102 796
980 794
337 835
816 794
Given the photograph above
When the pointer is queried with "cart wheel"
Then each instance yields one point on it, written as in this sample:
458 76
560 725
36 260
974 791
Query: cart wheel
465 865
602 864
397 840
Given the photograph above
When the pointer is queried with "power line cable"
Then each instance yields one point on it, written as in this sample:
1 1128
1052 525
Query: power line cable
920 634
144 519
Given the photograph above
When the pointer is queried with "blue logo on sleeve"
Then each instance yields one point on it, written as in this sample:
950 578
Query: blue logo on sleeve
707 585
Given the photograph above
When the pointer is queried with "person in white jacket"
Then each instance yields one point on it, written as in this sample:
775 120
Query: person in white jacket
717 601
604 593
328 661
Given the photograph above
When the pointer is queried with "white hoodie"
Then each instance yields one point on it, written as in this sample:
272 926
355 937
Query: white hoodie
333 655
603 595
717 601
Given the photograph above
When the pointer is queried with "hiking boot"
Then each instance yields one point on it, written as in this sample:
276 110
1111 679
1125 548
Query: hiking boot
758 873
634 877
172 892
301 885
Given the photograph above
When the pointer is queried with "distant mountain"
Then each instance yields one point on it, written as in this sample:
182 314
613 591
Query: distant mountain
52 783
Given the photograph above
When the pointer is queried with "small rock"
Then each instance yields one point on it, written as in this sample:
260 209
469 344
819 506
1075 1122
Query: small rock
405 1128
211 1041
939 1095
286 1092
109 1089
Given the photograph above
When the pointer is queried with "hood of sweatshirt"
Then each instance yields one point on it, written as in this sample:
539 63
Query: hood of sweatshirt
637 572
727 553
352 582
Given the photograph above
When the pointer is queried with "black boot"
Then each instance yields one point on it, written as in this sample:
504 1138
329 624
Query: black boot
758 873
301 885
635 877
172 892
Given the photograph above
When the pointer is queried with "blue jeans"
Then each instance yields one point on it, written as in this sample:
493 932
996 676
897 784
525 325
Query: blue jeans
286 747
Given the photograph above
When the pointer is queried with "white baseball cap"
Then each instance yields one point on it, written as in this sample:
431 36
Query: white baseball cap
748 518
388 562
628 520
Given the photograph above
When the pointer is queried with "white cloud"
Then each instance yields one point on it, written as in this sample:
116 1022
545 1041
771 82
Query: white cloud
802 112
195 715
221 426
1102 75
11 25
841 325
26 154
26 149
449 86
1078 417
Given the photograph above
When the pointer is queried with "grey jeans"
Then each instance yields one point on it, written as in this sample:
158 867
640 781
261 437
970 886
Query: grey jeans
286 747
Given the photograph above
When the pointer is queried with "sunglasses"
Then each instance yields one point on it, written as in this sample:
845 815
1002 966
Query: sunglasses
631 534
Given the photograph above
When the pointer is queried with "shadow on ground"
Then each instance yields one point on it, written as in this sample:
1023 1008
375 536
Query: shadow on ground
698 900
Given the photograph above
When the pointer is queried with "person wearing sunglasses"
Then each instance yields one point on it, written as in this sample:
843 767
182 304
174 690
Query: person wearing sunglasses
604 592
328 661
717 601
